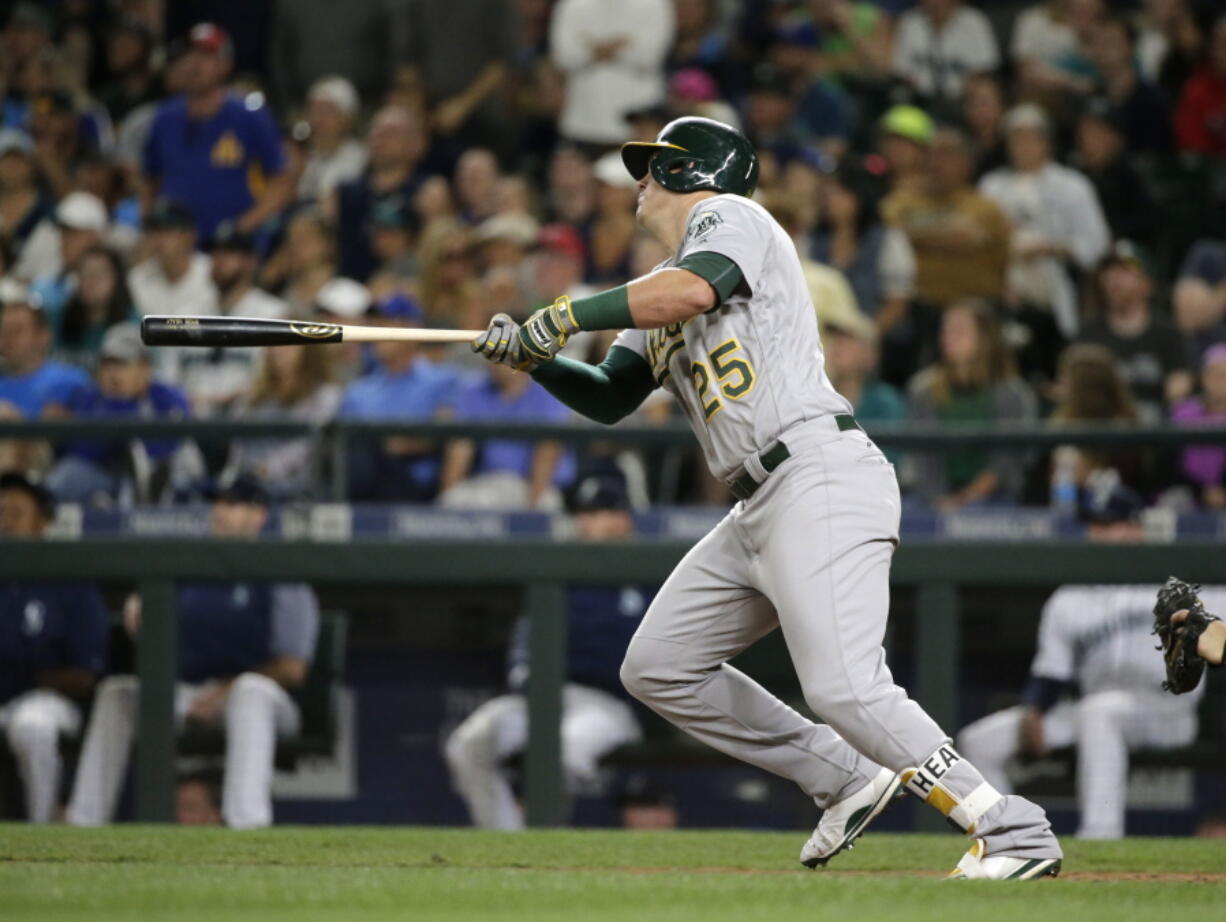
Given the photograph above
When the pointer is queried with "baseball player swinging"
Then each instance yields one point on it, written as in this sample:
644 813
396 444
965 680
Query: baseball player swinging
726 326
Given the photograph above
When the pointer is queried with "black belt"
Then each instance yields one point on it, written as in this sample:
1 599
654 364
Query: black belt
744 486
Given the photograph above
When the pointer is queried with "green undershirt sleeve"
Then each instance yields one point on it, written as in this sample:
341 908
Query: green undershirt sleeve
606 392
720 272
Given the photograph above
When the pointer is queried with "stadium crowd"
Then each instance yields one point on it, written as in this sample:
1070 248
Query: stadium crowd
1007 212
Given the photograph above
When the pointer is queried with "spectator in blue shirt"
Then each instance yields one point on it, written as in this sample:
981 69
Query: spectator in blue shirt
30 384
405 386
596 717
105 470
505 473
52 649
216 152
243 647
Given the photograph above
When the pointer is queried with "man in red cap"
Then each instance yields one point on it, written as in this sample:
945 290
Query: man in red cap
212 150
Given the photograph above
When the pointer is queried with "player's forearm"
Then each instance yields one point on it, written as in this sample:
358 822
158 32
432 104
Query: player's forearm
286 671
1211 645
607 392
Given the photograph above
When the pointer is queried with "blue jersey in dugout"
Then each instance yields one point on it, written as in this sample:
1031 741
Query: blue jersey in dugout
229 628
217 166
48 626
600 620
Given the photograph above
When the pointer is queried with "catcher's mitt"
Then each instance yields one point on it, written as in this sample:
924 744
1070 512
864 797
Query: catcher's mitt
1184 665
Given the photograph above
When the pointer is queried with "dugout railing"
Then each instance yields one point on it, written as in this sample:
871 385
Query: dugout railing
541 569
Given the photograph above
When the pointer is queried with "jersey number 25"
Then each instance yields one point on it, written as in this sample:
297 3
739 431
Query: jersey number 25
725 366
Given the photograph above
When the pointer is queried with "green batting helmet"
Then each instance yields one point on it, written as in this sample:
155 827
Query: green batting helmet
696 153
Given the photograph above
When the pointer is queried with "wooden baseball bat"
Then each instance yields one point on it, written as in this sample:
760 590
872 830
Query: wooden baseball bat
252 331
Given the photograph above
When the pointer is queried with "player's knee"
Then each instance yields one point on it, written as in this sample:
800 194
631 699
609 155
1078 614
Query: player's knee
468 745
31 729
118 690
251 686
641 671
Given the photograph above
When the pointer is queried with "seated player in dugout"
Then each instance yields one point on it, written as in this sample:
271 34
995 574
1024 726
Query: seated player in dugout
1097 641
726 325
243 647
53 646
596 715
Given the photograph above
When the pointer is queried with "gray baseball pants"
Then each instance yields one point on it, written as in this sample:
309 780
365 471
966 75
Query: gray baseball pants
809 553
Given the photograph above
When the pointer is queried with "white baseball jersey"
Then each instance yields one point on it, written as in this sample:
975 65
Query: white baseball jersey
1100 637
751 368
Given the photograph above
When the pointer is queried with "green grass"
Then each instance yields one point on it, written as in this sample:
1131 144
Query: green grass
370 875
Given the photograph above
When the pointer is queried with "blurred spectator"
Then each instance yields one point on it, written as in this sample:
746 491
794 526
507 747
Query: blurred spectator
1151 353
701 42
53 647
876 259
133 82
960 237
462 51
1200 297
596 717
243 647
476 184
613 228
850 346
853 41
404 386
305 262
23 203
212 150
1171 42
31 385
812 110
394 237
295 383
343 300
974 381
613 56
56 127
1200 119
1049 42
215 378
448 286
572 187
938 44
503 240
1089 482
102 471
503 473
1057 222
1129 208
334 155
27 31
983 114
100 301
1095 640
54 251
396 144
1204 466
312 39
904 136
1143 110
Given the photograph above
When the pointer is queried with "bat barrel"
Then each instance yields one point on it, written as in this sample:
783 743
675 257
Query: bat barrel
234 331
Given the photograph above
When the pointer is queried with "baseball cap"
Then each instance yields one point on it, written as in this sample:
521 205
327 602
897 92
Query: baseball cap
693 84
856 325
82 211
1103 110
168 215
243 488
611 171
229 239
343 297
514 226
1027 116
338 91
910 122
604 490
401 307
32 487
14 292
122 343
1125 252
211 39
768 79
13 141
1214 354
53 101
563 240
